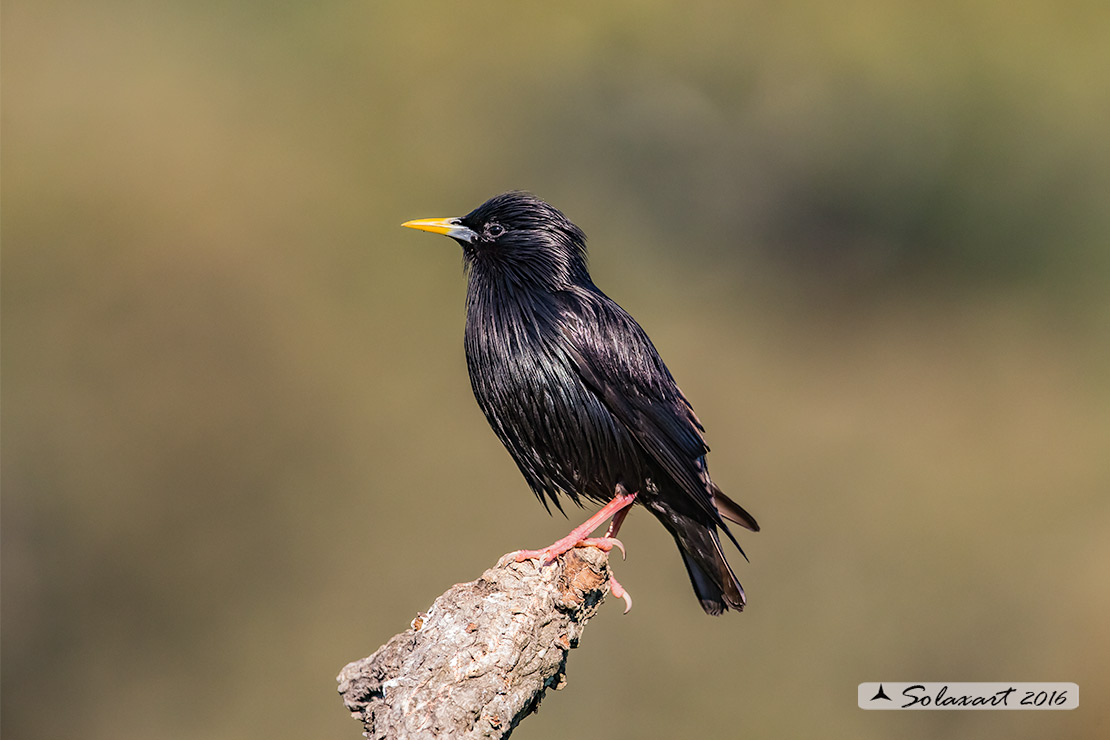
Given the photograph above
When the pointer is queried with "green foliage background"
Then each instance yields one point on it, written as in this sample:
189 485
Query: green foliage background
871 240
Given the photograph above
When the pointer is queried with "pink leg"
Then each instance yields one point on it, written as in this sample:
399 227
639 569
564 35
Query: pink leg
579 536
618 520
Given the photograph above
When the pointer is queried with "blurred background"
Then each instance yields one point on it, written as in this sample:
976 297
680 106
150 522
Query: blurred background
872 242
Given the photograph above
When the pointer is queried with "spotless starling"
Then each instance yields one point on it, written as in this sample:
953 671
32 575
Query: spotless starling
576 392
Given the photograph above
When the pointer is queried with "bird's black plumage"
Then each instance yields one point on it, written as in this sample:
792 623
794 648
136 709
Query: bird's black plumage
575 390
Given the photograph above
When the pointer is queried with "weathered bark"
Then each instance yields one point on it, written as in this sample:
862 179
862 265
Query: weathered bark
483 656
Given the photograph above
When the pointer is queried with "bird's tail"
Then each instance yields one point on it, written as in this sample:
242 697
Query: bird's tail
716 585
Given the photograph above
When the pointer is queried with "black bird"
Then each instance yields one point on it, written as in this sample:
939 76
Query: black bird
576 392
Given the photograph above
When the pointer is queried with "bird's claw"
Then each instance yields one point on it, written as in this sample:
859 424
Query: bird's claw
618 590
544 556
603 543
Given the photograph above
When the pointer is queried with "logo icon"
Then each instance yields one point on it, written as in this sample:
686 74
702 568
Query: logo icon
881 694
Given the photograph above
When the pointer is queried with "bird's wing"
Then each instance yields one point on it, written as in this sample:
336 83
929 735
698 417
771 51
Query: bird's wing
617 362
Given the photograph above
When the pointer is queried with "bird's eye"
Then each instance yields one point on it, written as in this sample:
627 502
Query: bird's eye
495 230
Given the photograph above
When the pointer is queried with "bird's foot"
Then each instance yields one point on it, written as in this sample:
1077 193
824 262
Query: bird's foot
548 554
565 545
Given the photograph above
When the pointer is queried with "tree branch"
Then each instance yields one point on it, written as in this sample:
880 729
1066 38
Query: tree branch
483 656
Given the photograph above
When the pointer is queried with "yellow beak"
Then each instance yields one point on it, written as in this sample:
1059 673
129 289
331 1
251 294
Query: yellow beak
446 226
434 225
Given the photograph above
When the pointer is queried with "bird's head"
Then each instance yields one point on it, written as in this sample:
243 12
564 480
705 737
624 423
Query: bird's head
517 237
